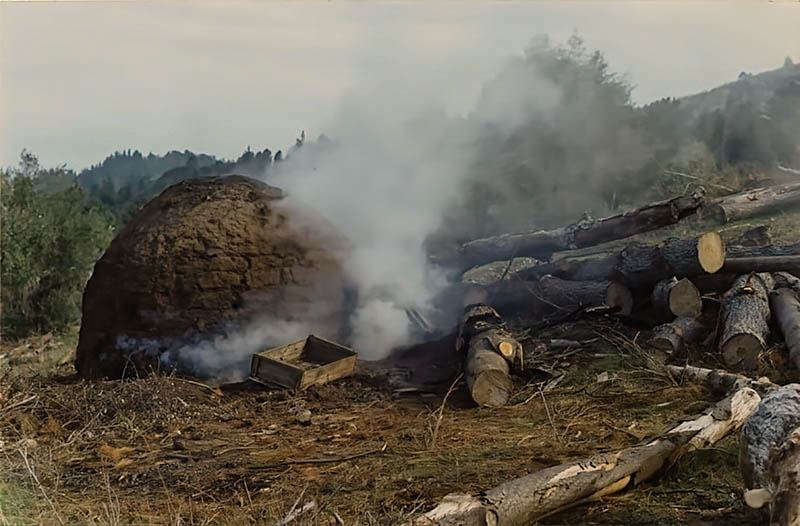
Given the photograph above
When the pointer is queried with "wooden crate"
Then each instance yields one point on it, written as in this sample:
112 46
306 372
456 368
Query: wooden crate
311 361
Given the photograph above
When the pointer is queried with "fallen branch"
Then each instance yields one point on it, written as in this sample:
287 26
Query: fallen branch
719 381
527 499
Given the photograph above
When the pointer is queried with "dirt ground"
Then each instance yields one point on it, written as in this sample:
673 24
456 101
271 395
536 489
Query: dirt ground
164 450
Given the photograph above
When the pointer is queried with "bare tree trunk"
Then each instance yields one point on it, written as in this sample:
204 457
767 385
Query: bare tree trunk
490 349
584 233
673 337
756 202
769 455
674 297
786 308
640 265
745 317
524 500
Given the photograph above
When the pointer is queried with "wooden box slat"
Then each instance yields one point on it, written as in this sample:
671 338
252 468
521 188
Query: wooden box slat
298 365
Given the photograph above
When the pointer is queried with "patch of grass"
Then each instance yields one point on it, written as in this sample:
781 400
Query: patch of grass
16 504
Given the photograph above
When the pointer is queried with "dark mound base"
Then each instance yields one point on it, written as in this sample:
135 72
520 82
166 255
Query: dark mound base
205 253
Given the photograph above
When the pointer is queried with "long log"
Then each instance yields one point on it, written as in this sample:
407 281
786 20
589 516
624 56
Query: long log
769 456
743 265
755 202
786 308
639 265
745 318
490 349
673 297
524 500
586 232
719 381
673 336
550 294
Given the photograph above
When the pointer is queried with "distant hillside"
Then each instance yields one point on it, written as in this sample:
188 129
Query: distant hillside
126 168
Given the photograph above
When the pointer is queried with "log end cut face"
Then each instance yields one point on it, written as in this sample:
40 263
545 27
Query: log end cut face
685 300
711 252
741 351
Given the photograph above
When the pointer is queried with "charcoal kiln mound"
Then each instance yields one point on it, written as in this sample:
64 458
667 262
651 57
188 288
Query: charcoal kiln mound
206 255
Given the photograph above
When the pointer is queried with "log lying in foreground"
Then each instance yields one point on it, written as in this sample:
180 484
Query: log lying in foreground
584 233
490 349
674 297
756 202
769 456
718 381
784 280
549 294
745 318
673 336
786 309
639 265
527 499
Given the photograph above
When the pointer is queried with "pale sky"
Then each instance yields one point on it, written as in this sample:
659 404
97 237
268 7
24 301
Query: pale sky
80 80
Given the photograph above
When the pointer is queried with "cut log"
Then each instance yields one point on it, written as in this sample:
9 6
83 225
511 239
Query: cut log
674 297
745 317
490 349
640 265
673 337
718 381
762 264
525 500
758 236
739 251
756 202
549 294
584 233
784 280
786 308
769 455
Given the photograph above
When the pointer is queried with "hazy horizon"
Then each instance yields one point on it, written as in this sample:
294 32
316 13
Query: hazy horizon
81 80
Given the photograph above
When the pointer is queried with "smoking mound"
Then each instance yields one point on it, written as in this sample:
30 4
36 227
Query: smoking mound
206 255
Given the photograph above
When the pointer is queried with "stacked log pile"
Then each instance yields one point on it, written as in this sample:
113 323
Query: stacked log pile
668 285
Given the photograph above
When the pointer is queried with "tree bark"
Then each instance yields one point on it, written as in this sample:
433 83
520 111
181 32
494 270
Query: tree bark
673 337
490 349
762 264
584 233
674 297
640 265
756 202
769 455
786 308
745 317
719 381
525 500
550 294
